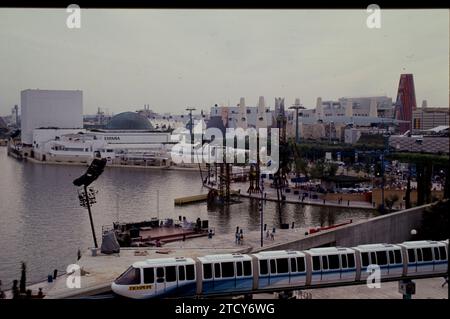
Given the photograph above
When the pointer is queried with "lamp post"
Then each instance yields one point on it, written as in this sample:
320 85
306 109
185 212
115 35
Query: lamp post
329 131
297 106
87 195
261 210
87 198
191 126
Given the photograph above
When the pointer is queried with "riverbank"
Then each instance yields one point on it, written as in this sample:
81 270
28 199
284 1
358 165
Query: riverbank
173 168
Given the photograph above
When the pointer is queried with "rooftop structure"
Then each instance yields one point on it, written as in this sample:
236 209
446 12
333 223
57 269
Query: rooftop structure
129 121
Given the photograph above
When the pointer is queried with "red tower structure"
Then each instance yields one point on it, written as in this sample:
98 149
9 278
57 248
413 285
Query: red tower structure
406 102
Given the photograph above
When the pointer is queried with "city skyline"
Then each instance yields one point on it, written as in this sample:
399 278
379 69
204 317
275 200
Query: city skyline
171 59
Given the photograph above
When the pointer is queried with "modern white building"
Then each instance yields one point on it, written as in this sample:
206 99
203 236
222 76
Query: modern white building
50 109
129 139
350 107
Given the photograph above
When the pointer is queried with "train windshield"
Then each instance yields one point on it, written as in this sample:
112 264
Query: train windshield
132 276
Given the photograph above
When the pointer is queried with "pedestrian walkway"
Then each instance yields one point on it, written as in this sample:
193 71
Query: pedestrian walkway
271 195
251 241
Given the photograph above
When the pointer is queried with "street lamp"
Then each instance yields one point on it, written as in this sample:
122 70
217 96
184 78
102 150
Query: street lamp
191 126
87 196
297 106
261 210
331 122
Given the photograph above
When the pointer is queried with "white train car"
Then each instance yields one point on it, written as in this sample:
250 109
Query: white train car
157 277
224 273
425 257
279 268
388 257
330 264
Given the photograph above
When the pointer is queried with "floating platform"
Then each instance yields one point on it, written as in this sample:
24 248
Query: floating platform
190 199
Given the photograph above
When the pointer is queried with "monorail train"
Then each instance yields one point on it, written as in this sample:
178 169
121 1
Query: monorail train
271 270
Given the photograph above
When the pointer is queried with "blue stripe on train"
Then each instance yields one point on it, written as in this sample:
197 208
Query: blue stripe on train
427 263
227 285
265 280
386 266
334 271
189 289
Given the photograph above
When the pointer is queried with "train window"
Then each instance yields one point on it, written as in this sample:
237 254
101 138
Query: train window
391 257
365 259
207 271
293 265
228 269
171 274
190 273
351 260
344 261
427 254
419 254
316 263
373 258
334 261
398 256
381 257
411 256
324 263
263 269
149 276
273 268
247 268
160 274
443 253
436 253
300 264
217 271
132 276
238 268
282 265
181 273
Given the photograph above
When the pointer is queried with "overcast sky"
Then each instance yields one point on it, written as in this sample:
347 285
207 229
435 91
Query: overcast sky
171 59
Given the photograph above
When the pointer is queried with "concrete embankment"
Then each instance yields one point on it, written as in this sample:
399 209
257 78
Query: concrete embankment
389 228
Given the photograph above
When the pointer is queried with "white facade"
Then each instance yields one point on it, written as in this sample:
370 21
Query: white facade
50 108
244 116
80 145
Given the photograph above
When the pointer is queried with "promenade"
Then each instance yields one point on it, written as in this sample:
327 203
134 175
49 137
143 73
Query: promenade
270 194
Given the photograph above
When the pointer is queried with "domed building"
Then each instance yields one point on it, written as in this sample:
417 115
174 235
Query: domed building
129 121
128 139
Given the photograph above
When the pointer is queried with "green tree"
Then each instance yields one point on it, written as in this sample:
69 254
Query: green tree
390 201
317 170
301 167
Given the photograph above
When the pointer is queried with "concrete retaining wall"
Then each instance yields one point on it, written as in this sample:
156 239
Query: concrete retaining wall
391 228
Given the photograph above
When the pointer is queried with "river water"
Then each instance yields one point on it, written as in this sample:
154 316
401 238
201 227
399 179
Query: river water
42 223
